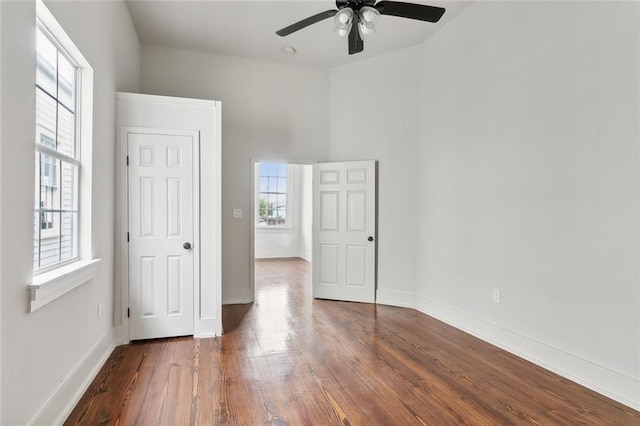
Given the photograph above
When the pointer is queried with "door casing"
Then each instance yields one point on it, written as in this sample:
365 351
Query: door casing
137 111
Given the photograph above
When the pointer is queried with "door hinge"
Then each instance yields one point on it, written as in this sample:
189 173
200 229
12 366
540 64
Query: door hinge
127 160
127 237
128 312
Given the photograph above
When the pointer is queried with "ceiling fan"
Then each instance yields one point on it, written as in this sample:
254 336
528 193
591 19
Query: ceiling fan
358 18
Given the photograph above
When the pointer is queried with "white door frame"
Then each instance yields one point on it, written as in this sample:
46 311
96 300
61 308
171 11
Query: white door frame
195 189
252 244
203 116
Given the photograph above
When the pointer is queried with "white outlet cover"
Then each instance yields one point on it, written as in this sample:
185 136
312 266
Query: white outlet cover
237 213
496 296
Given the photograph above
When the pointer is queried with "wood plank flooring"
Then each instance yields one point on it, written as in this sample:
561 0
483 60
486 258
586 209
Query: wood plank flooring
288 359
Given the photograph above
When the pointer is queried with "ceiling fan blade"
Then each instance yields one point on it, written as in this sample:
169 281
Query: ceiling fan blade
306 22
420 12
356 45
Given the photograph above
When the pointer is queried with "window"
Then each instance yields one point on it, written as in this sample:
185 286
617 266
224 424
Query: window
272 196
63 149
58 164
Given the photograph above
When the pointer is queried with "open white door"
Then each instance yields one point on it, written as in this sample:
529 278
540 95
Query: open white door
344 247
161 233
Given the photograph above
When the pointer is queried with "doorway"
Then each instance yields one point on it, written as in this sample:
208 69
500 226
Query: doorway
333 228
282 214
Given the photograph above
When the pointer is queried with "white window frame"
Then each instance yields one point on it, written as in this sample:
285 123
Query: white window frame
288 218
61 158
51 284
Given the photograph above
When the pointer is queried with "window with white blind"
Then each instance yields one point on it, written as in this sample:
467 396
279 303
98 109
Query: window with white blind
57 171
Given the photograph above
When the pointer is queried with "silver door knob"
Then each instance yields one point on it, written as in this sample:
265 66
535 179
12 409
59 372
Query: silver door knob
186 246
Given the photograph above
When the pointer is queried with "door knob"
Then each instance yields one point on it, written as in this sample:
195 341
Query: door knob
186 246
370 239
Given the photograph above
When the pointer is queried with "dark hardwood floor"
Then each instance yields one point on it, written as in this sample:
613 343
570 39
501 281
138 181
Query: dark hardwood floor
288 359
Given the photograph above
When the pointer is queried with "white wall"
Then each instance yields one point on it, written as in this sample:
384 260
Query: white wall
529 184
374 116
287 242
45 353
268 111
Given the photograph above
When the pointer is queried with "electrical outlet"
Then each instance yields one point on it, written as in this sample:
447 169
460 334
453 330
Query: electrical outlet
237 213
496 295
99 311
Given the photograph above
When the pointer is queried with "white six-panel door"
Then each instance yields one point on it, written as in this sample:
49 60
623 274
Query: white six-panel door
344 223
161 229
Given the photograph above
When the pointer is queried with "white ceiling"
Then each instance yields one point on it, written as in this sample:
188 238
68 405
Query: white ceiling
247 29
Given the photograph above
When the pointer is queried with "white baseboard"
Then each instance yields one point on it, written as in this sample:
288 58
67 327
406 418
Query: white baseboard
617 386
64 399
237 301
275 255
400 299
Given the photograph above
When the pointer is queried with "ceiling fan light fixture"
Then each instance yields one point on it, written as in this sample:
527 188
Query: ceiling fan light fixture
364 30
344 18
369 17
342 32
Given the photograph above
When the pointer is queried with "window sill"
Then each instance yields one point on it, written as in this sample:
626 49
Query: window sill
47 287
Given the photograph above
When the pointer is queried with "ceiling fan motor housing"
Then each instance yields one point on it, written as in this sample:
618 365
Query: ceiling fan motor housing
354 4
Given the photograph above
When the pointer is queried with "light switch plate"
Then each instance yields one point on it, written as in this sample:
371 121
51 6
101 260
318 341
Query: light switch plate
237 213
496 295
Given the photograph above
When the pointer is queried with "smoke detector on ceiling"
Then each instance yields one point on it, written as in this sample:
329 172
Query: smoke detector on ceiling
288 50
